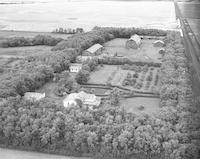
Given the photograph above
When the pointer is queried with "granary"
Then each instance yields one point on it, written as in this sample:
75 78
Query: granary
134 42
158 43
87 99
75 67
162 52
93 50
34 96
81 59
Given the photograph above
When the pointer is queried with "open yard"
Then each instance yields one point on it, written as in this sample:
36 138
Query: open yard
103 74
146 51
151 105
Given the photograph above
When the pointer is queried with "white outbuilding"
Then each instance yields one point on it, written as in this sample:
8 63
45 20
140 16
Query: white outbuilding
94 50
75 67
134 42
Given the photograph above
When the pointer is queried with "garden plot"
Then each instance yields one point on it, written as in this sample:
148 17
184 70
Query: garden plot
146 51
104 75
133 105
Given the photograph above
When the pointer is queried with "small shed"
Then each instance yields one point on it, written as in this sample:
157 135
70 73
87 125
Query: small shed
158 43
93 50
134 42
34 96
75 67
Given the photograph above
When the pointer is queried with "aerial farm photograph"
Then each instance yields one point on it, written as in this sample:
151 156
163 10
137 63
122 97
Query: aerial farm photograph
99 79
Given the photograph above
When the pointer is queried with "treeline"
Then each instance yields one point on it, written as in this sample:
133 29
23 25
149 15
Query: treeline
37 40
102 35
68 31
109 131
33 72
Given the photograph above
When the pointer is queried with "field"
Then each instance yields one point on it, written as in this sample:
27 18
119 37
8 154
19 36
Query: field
22 52
15 154
29 34
146 51
151 105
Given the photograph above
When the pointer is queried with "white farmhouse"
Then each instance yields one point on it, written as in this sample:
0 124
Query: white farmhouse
75 67
134 42
87 99
34 96
93 50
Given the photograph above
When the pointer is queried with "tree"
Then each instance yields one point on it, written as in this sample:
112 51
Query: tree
82 77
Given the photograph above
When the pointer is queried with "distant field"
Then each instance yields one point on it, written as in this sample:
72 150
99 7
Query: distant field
147 51
16 154
24 51
151 105
29 34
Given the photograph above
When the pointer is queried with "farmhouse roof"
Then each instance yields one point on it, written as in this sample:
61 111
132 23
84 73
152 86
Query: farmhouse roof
94 48
34 95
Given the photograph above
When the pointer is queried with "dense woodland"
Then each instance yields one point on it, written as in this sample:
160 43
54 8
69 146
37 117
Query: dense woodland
108 131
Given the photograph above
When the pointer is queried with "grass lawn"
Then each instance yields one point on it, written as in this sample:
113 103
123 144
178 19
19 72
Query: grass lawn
146 51
151 105
102 75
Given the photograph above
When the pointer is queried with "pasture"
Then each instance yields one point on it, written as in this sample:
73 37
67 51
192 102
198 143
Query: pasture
151 105
146 51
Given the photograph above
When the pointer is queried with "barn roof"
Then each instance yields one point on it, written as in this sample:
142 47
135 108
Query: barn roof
94 48
135 38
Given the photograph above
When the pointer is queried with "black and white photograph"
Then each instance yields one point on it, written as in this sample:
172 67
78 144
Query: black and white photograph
99 79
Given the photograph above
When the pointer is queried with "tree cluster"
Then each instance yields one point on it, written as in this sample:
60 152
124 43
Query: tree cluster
37 40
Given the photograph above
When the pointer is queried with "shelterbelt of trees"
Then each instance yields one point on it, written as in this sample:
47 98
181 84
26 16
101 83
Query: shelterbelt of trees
109 131
37 40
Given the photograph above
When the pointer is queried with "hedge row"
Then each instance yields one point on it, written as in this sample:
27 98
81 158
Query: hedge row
37 40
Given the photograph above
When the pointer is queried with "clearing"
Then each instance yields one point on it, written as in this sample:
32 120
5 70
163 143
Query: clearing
146 51
151 105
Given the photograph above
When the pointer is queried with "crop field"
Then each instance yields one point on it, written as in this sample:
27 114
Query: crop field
151 105
146 51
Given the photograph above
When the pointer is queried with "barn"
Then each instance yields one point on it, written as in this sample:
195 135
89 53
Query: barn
34 96
134 42
93 50
158 43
